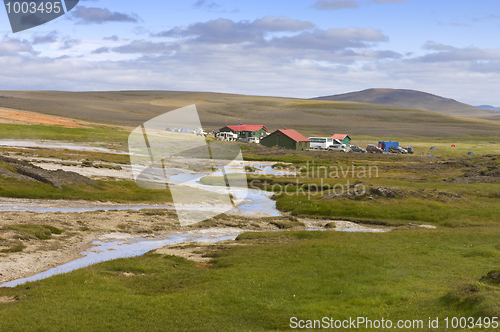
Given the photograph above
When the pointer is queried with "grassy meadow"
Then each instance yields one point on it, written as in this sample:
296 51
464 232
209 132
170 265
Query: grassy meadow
409 273
108 136
259 285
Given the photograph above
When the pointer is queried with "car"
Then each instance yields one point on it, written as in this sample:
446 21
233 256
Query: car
373 149
339 148
355 148
397 149
249 140
409 149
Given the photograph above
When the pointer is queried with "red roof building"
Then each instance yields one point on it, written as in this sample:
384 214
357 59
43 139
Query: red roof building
288 139
344 138
247 127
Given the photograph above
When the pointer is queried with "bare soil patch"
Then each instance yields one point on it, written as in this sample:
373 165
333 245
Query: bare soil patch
23 117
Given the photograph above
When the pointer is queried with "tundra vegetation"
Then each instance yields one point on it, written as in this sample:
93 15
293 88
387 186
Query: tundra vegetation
262 279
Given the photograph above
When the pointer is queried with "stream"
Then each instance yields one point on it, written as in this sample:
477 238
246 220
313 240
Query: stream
114 249
252 202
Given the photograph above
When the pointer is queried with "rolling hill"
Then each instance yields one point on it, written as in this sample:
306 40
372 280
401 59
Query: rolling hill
310 117
489 107
412 99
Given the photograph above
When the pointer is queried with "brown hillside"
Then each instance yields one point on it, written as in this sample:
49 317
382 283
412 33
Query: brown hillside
310 117
413 99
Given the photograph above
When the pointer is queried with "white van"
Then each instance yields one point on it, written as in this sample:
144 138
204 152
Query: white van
249 140
321 143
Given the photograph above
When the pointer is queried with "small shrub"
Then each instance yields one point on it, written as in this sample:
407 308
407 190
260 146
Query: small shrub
26 232
53 230
331 225
18 247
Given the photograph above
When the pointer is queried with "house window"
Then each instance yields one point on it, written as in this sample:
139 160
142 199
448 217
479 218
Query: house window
300 144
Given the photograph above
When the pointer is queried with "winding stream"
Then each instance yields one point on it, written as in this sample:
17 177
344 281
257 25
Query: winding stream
114 249
253 201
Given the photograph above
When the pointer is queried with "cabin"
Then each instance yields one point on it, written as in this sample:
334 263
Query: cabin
344 138
288 139
247 131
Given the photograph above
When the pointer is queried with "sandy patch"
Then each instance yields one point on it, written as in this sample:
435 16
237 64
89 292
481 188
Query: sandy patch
342 225
91 172
23 117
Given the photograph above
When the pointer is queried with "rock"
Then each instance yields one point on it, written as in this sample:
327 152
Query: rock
493 276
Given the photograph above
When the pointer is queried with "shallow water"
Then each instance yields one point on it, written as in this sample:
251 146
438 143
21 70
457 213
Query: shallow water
267 169
253 201
114 249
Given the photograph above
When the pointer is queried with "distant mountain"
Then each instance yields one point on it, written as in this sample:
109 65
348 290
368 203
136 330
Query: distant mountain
412 99
489 107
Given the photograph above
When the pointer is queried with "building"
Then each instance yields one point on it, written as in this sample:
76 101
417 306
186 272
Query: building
288 139
344 138
245 130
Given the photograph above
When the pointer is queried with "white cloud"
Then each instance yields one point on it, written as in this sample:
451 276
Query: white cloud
335 4
89 15
13 46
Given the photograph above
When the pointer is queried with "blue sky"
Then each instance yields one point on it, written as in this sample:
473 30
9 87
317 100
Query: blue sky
277 48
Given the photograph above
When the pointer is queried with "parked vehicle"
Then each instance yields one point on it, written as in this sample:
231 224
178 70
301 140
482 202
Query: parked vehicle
249 140
339 148
409 149
200 132
373 149
227 136
397 149
322 143
355 148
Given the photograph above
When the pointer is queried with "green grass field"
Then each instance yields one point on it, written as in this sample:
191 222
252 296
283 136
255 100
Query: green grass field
401 275
409 273
95 134
112 191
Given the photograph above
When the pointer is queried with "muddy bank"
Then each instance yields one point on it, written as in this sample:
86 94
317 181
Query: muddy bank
28 171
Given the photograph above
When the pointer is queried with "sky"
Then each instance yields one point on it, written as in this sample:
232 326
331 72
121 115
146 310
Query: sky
290 48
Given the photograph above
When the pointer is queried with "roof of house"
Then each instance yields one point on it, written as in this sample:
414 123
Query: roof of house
340 136
247 127
294 135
